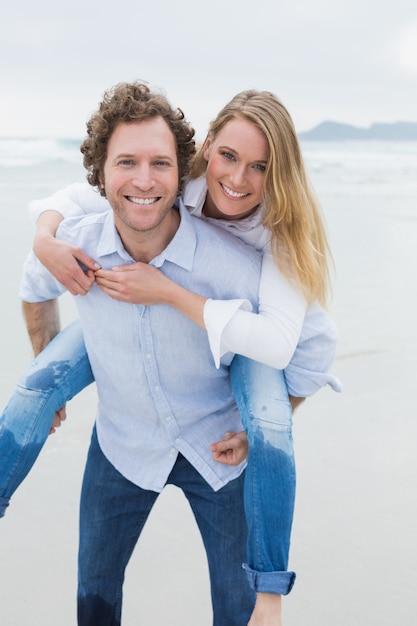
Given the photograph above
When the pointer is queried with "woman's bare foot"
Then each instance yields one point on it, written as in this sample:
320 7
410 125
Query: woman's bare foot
267 611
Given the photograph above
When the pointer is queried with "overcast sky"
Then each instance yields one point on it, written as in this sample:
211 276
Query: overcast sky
352 61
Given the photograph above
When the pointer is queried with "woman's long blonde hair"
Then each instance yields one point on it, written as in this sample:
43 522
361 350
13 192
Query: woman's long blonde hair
290 209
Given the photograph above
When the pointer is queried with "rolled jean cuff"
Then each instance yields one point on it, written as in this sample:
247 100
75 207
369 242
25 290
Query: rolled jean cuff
4 503
270 582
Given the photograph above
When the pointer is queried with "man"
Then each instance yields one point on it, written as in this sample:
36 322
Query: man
161 399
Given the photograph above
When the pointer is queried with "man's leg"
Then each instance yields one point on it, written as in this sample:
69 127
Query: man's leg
221 519
112 515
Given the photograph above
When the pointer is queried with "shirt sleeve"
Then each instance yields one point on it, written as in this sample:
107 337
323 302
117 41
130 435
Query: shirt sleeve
309 368
269 336
74 200
37 284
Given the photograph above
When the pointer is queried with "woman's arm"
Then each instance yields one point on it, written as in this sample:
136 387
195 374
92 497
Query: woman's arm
312 357
73 200
140 283
269 336
60 258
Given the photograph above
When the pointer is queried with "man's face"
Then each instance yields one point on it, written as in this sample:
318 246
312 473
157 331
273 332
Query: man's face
141 175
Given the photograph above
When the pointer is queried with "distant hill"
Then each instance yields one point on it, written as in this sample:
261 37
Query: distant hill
335 131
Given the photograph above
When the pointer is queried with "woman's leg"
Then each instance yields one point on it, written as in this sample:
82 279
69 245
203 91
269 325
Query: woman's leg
56 375
262 399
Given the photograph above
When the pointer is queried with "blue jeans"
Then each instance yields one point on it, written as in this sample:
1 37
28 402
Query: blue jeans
62 370
59 372
262 398
112 516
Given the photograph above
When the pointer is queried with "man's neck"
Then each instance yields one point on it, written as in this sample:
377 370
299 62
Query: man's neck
146 245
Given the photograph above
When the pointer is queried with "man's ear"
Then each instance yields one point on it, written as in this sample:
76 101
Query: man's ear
101 187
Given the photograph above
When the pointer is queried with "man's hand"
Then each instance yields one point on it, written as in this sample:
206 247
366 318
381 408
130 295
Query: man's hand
232 449
59 417
295 402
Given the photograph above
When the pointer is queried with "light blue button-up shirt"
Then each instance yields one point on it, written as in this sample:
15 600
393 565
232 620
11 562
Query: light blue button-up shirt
159 392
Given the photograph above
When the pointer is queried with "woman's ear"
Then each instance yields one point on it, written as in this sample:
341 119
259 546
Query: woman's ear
206 148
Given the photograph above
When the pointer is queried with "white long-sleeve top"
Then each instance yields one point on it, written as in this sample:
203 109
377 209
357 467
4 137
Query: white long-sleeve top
283 334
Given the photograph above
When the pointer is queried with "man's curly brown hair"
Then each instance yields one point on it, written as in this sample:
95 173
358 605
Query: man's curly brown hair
133 102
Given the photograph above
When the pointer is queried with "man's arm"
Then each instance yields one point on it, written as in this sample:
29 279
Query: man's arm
42 322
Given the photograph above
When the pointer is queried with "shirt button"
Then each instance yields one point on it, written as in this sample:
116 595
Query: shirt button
177 441
156 388
168 418
148 356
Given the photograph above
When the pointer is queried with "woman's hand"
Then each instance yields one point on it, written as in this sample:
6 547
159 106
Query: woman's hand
140 283
137 283
63 260
232 449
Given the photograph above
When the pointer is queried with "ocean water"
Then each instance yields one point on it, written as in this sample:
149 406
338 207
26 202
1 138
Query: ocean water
353 546
368 191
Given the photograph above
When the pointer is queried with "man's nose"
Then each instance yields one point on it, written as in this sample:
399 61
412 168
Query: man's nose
143 177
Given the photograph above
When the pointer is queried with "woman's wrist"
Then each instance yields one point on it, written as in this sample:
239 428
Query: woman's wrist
187 302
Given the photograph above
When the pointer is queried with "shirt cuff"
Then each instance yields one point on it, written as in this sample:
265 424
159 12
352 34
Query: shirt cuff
217 314
303 383
66 209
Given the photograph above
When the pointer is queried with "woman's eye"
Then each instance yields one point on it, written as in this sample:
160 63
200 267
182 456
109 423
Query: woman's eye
228 155
260 167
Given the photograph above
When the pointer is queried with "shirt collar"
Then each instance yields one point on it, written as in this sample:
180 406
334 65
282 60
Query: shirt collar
180 250
109 241
182 247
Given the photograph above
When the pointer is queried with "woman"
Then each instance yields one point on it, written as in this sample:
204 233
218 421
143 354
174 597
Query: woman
249 177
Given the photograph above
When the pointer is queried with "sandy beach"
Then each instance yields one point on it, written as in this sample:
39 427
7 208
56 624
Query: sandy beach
353 545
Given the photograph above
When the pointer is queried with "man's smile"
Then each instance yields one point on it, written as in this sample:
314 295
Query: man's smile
142 201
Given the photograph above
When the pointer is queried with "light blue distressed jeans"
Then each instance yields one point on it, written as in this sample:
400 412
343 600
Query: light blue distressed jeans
269 493
56 375
62 370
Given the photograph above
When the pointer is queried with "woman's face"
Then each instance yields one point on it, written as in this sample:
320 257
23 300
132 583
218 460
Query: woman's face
236 164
